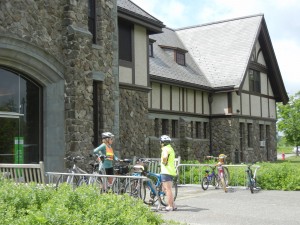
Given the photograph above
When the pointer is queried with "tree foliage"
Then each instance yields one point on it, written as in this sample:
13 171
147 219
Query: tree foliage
289 120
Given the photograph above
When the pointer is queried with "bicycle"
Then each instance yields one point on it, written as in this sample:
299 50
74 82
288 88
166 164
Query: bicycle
150 191
251 178
210 179
223 173
119 183
72 179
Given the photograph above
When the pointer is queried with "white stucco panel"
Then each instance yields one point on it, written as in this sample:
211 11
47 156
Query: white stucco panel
175 98
220 104
205 103
155 96
264 83
272 105
236 103
245 104
255 105
166 100
246 82
270 89
198 102
140 55
265 107
125 74
190 101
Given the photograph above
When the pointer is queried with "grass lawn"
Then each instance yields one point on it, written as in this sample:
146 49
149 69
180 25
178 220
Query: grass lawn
292 159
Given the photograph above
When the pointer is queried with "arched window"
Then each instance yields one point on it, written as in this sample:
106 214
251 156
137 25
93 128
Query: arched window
20 118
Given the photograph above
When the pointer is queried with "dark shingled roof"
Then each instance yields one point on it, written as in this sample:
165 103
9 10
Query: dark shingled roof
128 7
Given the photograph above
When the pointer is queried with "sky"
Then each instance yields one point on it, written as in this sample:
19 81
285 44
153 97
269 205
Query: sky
282 18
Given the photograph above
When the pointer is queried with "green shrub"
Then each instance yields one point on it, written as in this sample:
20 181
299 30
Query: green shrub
284 175
29 204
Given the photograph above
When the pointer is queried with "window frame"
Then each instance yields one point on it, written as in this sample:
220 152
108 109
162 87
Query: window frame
180 57
92 19
254 81
125 32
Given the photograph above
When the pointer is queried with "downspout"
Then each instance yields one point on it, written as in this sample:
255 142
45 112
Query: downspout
210 100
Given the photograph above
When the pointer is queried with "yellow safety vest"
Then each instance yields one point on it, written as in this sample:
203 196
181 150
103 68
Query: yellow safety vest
169 168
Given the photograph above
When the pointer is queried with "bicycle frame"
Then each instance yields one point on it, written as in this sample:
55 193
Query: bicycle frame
251 178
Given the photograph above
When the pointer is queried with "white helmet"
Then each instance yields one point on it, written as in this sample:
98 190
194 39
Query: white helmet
107 135
165 139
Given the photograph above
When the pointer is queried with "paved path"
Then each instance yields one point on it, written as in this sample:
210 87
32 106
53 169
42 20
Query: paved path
237 207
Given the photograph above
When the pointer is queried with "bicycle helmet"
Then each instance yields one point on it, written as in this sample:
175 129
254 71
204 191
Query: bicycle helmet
222 156
165 139
107 135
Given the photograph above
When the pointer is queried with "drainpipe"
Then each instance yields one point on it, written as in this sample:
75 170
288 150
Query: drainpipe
210 100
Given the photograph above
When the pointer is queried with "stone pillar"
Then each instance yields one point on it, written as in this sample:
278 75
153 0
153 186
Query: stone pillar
78 79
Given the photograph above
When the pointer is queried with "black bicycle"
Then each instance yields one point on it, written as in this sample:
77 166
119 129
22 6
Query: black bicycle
251 178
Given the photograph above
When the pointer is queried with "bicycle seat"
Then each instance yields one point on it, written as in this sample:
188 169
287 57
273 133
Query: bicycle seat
138 168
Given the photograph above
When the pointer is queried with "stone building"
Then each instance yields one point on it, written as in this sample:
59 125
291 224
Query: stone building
71 69
215 88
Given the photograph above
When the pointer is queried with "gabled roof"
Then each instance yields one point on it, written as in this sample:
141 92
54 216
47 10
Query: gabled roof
130 11
222 49
220 54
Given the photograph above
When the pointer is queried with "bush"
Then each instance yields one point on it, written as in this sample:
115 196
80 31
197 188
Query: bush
284 175
29 204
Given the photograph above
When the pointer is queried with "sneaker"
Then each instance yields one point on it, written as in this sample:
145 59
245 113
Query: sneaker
168 208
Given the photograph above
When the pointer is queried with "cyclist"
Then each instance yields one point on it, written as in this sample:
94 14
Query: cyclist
106 150
168 170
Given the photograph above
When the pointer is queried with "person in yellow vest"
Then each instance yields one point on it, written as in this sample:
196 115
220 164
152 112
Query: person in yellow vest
105 149
168 170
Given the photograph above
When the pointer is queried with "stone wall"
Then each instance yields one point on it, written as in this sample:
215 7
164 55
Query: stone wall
226 139
59 29
135 127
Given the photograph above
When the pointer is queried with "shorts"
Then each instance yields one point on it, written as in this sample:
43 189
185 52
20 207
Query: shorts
166 177
109 171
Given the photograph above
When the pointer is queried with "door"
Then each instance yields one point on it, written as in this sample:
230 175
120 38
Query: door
20 118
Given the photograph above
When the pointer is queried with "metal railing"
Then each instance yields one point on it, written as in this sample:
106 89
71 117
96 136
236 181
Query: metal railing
193 174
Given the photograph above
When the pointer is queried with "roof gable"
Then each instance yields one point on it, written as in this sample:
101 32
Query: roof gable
219 54
223 49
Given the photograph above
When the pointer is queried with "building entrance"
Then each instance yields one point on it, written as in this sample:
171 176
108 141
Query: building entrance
20 119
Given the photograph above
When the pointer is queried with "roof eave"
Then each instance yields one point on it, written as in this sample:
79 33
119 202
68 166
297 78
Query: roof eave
279 90
153 27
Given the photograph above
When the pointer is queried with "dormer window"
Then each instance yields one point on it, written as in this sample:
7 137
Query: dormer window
151 41
179 54
180 58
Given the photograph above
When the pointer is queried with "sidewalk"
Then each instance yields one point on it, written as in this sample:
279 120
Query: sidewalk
238 206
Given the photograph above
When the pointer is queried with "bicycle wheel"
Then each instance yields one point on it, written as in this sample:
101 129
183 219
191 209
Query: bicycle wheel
149 192
59 181
205 183
119 186
162 195
96 181
83 181
134 188
251 184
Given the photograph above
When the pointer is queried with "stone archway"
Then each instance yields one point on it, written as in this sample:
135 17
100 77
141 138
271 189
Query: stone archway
45 69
